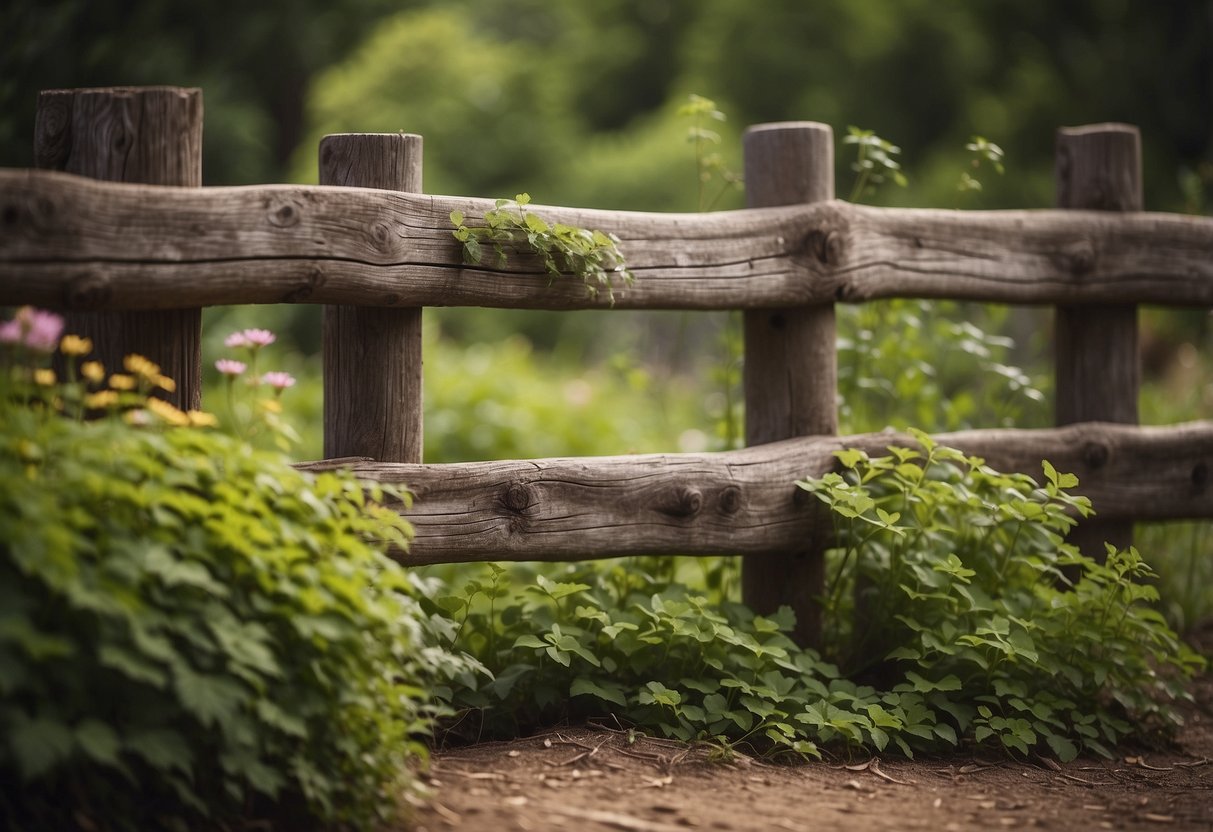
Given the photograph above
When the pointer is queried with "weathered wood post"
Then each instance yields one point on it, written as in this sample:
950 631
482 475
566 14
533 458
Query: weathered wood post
791 368
147 135
372 355
1098 365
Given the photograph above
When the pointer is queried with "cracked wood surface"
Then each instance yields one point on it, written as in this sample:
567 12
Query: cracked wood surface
70 242
745 501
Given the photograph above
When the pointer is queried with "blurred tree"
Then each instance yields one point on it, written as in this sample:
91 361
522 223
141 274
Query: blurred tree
928 74
254 62
493 115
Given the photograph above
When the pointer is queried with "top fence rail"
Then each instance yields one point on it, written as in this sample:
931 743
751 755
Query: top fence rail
76 243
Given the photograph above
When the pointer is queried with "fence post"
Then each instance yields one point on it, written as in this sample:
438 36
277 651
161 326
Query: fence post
1098 365
372 355
790 362
147 135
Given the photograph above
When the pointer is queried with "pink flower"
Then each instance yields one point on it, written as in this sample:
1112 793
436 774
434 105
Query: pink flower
258 337
34 328
252 338
10 332
230 367
279 381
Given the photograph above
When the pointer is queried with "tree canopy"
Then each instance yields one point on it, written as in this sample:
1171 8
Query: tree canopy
574 102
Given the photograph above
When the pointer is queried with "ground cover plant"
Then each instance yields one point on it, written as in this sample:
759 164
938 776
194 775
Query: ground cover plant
951 622
191 631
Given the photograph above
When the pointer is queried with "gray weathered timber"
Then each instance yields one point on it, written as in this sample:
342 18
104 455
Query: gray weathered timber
744 502
791 368
146 135
372 355
1097 362
75 243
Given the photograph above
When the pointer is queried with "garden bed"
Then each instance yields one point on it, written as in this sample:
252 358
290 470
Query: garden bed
602 778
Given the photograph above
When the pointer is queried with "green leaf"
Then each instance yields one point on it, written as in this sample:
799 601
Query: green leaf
606 691
99 741
39 744
212 700
1062 747
456 218
850 457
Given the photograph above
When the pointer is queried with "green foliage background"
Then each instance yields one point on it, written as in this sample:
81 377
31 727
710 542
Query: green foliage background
563 99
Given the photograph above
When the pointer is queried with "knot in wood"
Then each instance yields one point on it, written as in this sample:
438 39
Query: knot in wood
730 500
1081 258
312 280
87 290
827 247
1095 455
284 214
683 502
1200 476
517 497
10 215
380 236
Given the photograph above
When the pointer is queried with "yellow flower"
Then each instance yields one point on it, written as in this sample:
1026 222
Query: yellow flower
271 405
149 371
101 400
202 419
141 366
167 412
75 345
44 377
122 382
93 371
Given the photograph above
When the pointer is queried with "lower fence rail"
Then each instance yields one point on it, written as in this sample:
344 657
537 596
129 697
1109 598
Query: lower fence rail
745 501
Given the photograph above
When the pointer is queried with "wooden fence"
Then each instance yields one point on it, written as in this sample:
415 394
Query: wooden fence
132 263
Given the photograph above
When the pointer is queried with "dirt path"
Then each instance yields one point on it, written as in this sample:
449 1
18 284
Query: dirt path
596 780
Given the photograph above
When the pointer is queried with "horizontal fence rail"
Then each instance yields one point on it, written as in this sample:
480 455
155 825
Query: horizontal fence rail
745 501
75 243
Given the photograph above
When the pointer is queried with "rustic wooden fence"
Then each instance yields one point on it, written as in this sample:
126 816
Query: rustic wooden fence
132 264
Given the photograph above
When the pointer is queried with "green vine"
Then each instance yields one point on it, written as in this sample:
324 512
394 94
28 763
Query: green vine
593 256
874 162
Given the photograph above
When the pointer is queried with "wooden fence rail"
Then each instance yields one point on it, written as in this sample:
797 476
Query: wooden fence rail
377 253
745 501
77 243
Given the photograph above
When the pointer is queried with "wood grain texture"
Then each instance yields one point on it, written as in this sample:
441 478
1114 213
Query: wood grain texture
68 242
1096 353
745 502
146 135
372 355
790 369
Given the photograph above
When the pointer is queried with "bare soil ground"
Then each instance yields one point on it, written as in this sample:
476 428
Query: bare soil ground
595 779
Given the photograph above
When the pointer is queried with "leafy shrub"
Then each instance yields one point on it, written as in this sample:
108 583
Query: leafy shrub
960 583
935 365
966 630
191 629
